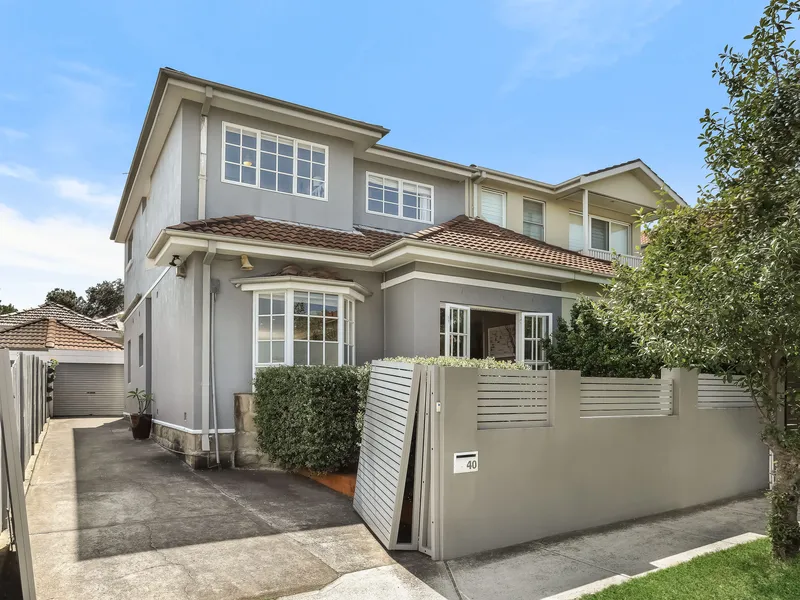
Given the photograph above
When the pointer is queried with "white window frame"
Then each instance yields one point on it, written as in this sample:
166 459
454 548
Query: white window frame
521 338
544 216
400 182
129 251
448 329
505 203
344 296
591 216
258 133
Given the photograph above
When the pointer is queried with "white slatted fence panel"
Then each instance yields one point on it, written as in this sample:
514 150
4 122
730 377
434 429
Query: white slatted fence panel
715 392
625 397
513 399
385 445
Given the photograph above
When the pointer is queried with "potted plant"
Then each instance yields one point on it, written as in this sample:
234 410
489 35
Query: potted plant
143 420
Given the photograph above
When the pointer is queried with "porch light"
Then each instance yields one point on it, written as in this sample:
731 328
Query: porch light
246 266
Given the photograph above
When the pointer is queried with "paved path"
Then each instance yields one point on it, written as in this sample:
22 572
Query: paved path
538 570
112 518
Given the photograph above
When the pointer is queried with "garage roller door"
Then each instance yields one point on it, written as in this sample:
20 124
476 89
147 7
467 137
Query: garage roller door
83 390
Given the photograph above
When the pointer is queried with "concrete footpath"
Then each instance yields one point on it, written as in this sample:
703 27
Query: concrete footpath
548 569
112 518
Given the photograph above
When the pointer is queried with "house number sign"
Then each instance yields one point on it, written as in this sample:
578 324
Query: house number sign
465 462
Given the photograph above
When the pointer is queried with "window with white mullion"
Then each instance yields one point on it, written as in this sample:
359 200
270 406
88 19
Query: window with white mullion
316 328
399 198
533 218
536 327
270 329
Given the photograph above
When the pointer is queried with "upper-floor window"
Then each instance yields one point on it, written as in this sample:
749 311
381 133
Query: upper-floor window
493 207
399 198
604 234
274 162
129 248
533 218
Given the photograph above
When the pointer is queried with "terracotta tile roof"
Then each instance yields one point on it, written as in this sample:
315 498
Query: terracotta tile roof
460 232
477 234
45 334
51 310
362 239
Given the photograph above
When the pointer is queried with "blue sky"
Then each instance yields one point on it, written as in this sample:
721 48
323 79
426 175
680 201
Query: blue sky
542 88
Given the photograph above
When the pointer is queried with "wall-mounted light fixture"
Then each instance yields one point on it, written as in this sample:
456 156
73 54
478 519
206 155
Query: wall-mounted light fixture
180 266
246 266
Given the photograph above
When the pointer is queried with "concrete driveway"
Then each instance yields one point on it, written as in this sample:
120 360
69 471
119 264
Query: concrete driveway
115 518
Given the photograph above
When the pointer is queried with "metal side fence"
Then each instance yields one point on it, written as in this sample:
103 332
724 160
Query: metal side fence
29 381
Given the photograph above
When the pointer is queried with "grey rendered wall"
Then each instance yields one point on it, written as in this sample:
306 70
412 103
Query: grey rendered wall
412 311
175 360
233 331
582 473
225 199
448 197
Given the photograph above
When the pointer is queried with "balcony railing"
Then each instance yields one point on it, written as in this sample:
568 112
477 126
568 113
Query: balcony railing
625 259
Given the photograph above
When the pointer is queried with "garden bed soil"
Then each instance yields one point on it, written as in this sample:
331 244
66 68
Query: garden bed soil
344 483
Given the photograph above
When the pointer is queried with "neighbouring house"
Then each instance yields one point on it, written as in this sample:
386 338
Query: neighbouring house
89 376
259 232
50 310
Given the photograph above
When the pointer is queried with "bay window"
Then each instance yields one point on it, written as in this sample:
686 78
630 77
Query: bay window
274 162
306 325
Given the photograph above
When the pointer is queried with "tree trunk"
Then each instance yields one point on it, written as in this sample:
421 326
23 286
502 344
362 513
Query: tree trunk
783 526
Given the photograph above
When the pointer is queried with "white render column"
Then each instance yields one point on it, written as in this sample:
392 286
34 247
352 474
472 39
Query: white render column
586 232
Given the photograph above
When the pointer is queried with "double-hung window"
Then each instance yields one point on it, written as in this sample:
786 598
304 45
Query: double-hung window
493 207
297 326
274 162
533 219
399 198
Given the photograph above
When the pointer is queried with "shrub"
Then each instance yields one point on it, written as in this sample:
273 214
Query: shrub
592 344
310 417
451 361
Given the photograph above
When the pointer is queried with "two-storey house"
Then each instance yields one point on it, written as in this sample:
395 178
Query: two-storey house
259 232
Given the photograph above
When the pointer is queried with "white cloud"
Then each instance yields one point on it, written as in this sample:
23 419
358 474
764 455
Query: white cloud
84 192
39 254
568 36
13 134
16 171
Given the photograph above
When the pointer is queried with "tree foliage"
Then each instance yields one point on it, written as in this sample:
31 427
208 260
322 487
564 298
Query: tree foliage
596 346
7 309
720 283
103 299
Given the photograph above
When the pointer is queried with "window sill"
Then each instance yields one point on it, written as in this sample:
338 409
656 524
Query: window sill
260 189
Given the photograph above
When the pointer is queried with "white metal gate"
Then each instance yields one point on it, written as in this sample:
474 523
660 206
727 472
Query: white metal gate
84 389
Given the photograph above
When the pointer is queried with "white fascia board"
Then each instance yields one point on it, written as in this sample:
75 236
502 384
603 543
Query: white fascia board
528 184
495 285
430 166
311 284
107 357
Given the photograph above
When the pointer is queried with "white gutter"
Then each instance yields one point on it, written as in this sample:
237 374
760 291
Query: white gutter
477 179
201 187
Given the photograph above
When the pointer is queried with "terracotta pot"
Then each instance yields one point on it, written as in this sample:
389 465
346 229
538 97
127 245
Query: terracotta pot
140 425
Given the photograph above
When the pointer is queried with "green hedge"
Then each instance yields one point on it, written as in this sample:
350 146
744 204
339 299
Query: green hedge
311 417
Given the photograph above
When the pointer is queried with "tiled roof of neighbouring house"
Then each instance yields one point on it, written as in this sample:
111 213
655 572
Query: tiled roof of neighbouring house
461 232
46 334
51 310
362 240
482 236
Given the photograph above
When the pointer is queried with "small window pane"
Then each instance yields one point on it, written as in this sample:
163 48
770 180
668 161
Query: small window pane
277 328
316 329
304 169
278 304
331 330
232 136
248 157
263 353
269 144
318 172
390 209
331 305
285 183
319 155
303 152
304 186
263 305
232 153
277 352
442 320
315 354
231 172
301 353
268 161
268 180
248 140
285 147
301 328
249 175
332 353
263 328
375 206
285 165
316 305
318 190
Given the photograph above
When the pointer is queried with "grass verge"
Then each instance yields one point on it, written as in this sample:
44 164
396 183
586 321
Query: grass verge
745 572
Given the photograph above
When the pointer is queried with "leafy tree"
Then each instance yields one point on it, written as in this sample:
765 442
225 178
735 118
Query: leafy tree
104 299
6 309
66 298
594 345
720 283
